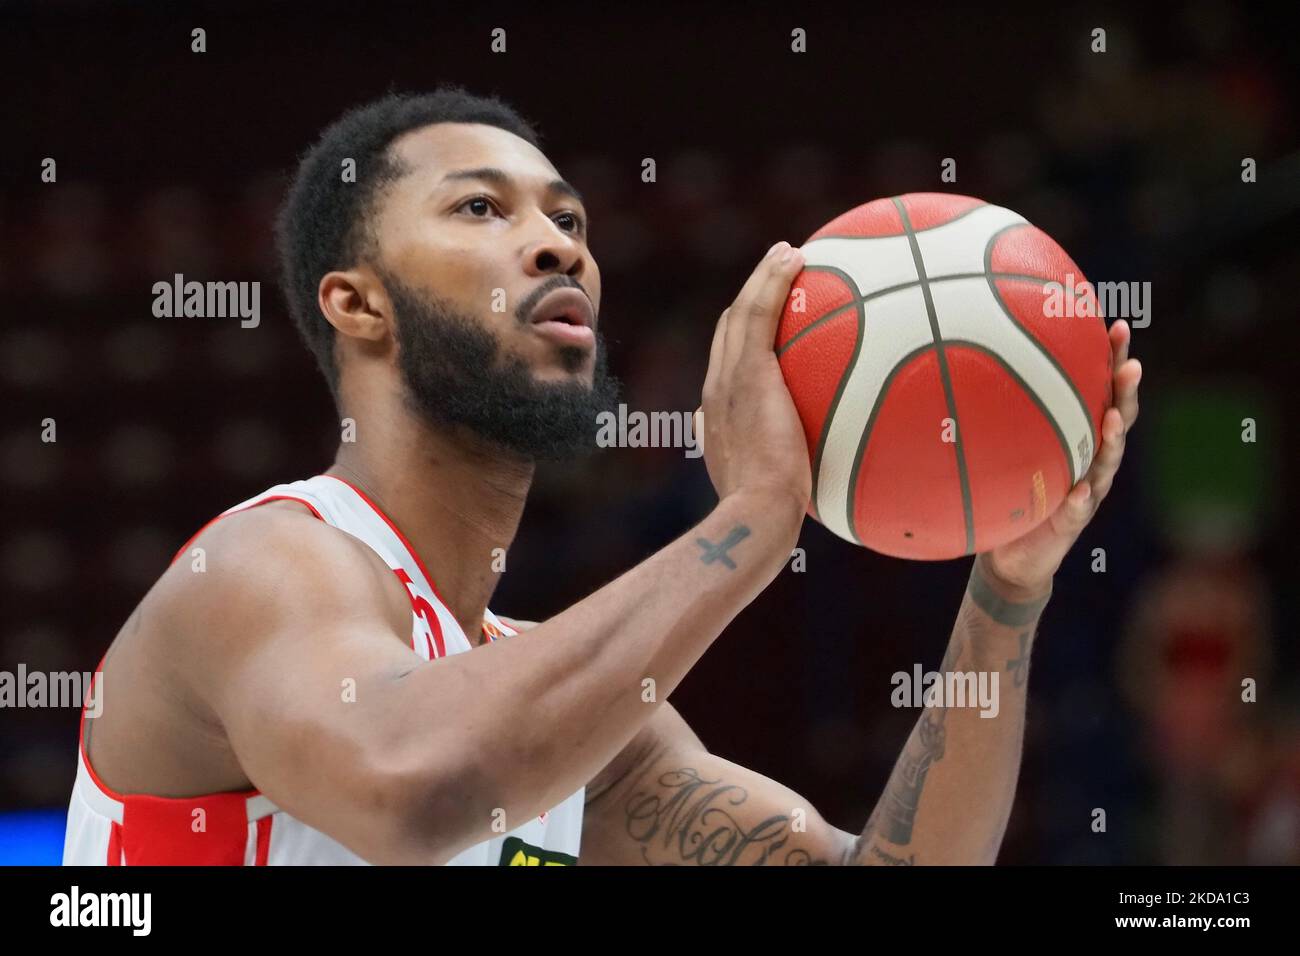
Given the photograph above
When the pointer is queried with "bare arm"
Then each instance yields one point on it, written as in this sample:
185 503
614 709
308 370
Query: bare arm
317 690
420 761
666 800
950 794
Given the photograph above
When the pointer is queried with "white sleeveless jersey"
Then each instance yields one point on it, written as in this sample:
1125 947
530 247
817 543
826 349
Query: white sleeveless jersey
106 827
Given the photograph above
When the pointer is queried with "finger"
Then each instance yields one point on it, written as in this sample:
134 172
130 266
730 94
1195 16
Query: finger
715 355
1127 377
731 342
1076 511
755 279
1120 338
1109 455
758 308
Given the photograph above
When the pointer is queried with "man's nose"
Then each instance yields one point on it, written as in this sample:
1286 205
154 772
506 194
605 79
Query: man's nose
555 253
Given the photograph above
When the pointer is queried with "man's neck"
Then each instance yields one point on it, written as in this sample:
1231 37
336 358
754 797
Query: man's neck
457 500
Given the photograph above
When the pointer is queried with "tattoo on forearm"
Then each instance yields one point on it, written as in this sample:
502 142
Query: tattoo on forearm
1019 666
1007 613
903 795
895 815
718 552
890 860
688 820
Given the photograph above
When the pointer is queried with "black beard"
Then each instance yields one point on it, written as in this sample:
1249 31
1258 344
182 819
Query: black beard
455 374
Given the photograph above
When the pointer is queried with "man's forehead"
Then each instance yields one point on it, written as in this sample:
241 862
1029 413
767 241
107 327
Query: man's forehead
443 147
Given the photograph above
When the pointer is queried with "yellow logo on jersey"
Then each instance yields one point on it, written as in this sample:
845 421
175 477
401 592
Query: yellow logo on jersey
515 852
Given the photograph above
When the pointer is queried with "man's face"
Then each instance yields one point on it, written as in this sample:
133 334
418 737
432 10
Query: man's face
483 252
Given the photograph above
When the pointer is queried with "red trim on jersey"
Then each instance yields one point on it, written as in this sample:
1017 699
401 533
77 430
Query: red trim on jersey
263 840
397 531
425 612
98 675
165 830
104 788
114 845
225 514
410 549
161 830
209 830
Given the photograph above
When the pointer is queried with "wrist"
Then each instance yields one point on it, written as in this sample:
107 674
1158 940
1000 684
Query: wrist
1009 587
773 506
1014 604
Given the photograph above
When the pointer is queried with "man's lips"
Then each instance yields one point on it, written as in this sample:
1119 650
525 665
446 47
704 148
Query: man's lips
566 305
565 316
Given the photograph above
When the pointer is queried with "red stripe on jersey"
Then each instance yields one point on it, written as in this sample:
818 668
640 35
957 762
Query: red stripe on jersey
210 830
424 610
166 830
397 531
114 845
263 840
415 557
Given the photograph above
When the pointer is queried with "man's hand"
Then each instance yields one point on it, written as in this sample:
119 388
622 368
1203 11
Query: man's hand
1027 564
753 439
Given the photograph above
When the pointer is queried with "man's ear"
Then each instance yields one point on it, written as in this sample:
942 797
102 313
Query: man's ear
354 302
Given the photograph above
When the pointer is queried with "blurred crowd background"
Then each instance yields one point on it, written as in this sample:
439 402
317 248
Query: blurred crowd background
171 161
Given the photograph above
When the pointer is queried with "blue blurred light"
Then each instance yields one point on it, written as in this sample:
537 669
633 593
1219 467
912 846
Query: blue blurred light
32 838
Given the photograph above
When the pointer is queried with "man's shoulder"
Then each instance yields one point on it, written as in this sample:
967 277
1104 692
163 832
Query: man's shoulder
274 563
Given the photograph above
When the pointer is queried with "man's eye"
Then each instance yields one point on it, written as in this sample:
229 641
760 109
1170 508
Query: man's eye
569 222
478 206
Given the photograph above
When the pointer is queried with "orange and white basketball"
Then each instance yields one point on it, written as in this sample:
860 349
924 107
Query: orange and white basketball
948 407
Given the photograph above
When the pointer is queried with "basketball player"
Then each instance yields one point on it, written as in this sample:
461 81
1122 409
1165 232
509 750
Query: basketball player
317 677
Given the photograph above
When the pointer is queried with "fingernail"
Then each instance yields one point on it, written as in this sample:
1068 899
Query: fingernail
790 256
775 246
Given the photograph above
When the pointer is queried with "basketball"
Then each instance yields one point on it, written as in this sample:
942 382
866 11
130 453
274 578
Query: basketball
950 367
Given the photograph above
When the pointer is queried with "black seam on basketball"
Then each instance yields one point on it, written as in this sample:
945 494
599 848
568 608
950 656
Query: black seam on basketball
839 390
1006 310
980 204
944 376
1024 387
841 309
856 300
871 423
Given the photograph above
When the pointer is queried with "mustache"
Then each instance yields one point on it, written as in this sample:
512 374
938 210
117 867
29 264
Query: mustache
529 302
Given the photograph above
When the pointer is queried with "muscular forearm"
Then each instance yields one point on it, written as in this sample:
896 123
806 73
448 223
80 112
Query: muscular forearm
950 795
546 710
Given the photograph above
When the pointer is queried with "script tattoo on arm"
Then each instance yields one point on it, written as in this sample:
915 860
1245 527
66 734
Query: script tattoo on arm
685 819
